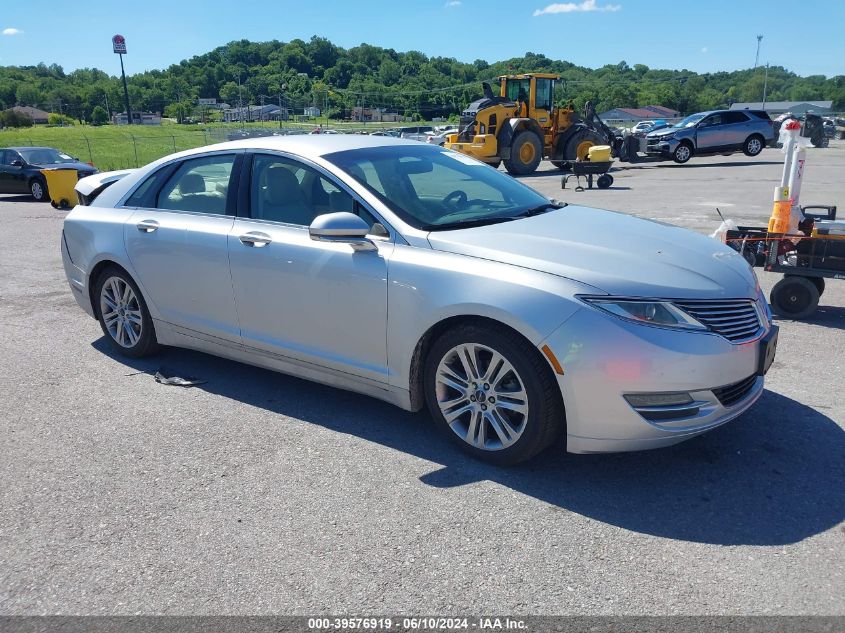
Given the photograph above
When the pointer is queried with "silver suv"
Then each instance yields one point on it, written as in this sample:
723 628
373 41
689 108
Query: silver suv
715 132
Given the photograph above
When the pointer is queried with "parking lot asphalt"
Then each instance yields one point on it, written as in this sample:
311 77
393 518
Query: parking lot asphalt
259 493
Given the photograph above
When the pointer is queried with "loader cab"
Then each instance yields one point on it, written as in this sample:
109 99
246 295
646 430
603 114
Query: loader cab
534 93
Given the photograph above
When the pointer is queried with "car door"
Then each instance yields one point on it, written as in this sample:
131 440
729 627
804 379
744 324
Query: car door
737 128
12 177
177 240
318 302
710 133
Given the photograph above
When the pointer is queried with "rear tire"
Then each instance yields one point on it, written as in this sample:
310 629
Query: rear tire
753 145
123 314
526 153
38 189
578 146
472 363
794 297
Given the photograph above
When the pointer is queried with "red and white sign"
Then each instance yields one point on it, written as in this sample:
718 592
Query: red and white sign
118 43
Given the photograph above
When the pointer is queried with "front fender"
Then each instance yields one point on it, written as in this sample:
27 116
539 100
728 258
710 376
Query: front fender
427 287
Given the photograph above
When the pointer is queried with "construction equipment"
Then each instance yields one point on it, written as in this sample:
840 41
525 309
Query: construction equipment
522 126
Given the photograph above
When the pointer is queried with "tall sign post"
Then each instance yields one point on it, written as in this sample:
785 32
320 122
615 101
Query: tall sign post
118 43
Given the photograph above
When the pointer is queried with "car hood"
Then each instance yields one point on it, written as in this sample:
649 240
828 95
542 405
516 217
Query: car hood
617 253
78 166
664 131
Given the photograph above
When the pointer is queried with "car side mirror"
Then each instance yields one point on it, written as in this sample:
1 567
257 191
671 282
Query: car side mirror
17 163
343 227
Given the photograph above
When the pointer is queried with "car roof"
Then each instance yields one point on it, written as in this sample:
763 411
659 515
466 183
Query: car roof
307 145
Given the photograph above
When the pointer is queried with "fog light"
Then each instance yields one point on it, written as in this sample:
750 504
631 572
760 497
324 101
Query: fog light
658 399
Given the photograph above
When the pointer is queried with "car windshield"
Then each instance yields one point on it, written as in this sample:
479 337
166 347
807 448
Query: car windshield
45 156
435 189
691 120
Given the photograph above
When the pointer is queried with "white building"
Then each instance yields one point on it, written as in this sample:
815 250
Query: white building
267 112
138 118
312 111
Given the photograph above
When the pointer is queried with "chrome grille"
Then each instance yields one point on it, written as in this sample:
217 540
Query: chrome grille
736 320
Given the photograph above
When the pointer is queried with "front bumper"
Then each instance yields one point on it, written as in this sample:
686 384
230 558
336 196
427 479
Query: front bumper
483 147
604 358
661 147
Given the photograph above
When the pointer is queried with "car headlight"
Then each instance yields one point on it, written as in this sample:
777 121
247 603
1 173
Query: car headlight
659 313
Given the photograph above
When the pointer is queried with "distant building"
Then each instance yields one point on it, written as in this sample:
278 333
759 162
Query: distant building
267 112
780 107
312 111
375 114
37 116
138 118
633 115
212 104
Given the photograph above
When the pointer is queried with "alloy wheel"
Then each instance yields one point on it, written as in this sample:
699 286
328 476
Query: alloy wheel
481 396
121 312
37 190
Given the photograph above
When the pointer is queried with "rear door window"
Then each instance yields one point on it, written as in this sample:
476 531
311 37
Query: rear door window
199 185
735 117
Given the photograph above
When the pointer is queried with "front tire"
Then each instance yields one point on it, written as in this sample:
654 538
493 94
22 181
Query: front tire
123 314
38 189
682 153
526 153
753 145
794 297
493 394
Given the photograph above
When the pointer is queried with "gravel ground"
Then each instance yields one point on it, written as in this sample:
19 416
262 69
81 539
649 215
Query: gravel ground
258 493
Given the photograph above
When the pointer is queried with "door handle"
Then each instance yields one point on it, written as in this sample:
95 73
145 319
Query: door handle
147 226
255 239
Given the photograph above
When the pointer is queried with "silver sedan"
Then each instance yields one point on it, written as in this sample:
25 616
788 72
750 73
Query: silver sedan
422 277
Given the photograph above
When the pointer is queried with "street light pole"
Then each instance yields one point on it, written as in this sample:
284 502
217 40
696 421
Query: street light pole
765 85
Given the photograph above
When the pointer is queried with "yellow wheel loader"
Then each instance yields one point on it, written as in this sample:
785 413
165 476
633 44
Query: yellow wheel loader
522 126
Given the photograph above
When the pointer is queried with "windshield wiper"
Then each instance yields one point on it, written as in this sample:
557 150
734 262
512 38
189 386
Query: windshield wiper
543 208
469 222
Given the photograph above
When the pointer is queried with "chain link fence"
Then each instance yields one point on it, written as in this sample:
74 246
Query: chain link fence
129 150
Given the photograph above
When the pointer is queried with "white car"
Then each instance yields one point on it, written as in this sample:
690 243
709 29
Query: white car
641 126
438 137
423 277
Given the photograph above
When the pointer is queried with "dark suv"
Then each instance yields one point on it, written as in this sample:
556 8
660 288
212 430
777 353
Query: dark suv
715 132
20 169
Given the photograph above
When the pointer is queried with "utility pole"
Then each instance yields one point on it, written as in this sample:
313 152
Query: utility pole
757 56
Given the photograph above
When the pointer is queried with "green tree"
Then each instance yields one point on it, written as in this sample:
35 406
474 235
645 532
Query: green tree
99 116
